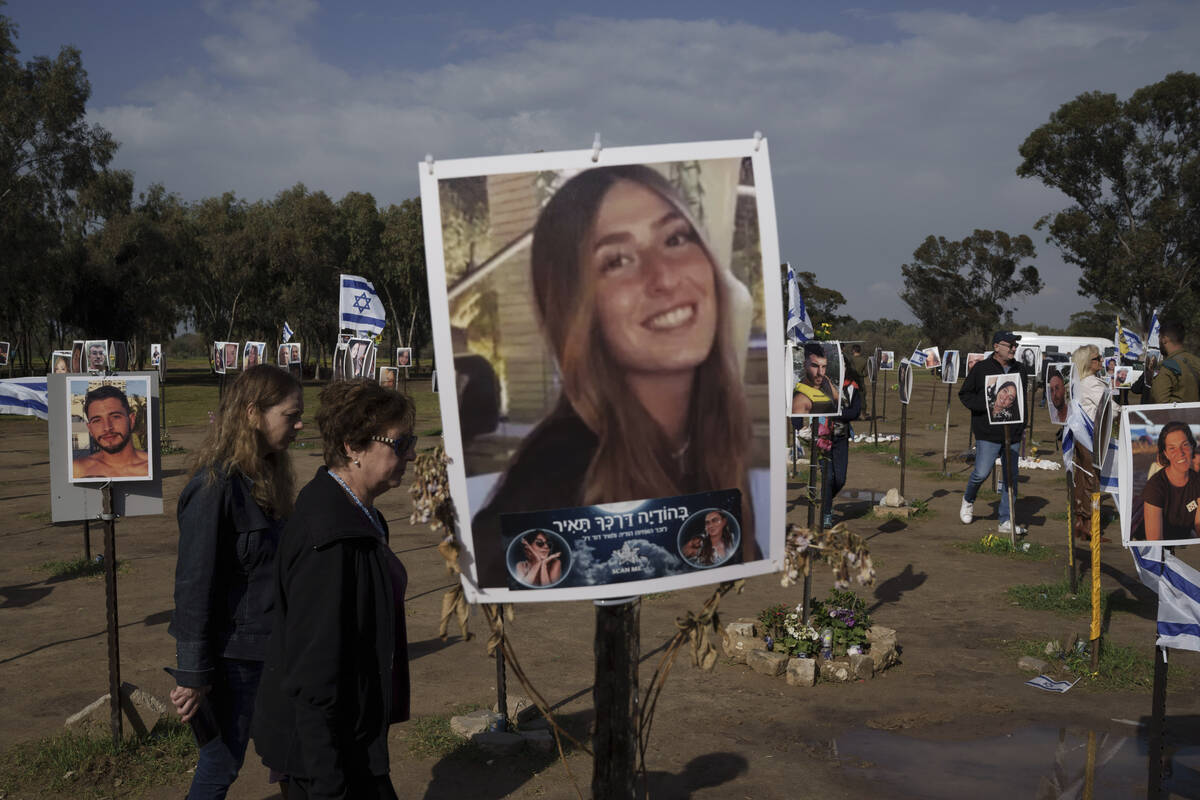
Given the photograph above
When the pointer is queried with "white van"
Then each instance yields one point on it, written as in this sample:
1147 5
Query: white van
1063 344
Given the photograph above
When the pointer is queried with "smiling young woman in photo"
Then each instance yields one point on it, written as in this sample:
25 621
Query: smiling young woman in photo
635 309
1171 499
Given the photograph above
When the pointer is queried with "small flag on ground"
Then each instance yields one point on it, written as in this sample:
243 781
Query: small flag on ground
1048 684
360 307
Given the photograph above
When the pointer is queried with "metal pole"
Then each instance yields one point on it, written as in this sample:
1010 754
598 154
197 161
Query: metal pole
874 419
87 540
1071 563
1158 715
885 391
501 685
946 434
615 698
812 499
903 446
1032 391
110 603
1095 632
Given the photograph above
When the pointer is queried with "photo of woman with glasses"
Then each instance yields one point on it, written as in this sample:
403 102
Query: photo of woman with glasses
542 559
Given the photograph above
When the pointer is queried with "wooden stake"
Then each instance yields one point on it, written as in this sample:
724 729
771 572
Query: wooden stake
1071 563
903 446
110 605
946 434
1158 716
1095 632
874 419
812 505
615 697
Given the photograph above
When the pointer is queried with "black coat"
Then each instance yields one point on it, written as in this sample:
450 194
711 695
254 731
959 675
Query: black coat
224 576
325 700
973 395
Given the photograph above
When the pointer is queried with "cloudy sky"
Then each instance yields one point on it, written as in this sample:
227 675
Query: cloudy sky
887 122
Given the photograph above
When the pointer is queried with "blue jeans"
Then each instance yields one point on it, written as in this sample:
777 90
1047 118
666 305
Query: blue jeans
985 458
235 683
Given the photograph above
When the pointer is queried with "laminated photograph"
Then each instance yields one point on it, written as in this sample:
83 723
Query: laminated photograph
109 433
887 359
1058 390
96 354
817 370
904 379
600 435
252 354
1005 399
388 376
972 360
60 362
950 361
1159 474
1030 356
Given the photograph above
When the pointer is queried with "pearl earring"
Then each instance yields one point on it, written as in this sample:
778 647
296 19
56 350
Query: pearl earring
357 463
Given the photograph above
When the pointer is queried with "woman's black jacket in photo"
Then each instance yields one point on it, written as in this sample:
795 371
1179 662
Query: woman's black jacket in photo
326 698
973 395
224 576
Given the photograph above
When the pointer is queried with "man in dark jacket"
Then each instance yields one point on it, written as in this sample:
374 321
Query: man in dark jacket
989 439
833 468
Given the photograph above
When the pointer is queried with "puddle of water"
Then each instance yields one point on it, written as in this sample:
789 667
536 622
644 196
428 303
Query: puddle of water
861 495
1037 762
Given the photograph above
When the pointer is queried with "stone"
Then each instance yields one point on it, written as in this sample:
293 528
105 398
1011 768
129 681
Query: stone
835 670
741 628
801 672
736 647
469 724
863 666
883 657
892 499
520 708
140 712
767 662
499 743
540 741
884 648
1032 664
1053 648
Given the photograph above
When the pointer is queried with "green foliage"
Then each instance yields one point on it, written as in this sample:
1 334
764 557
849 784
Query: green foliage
846 615
890 334
78 568
1003 546
431 737
90 767
1056 597
788 634
1120 668
963 287
1132 171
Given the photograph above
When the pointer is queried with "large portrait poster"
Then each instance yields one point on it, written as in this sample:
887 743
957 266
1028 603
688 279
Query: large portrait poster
619 430
109 436
1159 474
1005 399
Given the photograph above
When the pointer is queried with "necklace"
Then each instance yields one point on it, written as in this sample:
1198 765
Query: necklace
374 522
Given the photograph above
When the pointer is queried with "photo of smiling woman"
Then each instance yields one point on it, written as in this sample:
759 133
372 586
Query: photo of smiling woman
646 329
1160 474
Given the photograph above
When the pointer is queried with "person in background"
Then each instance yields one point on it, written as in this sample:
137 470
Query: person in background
836 431
230 516
858 362
989 439
1088 390
1178 379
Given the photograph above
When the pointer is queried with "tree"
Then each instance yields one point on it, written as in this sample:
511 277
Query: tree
957 287
1132 170
48 153
820 303
405 283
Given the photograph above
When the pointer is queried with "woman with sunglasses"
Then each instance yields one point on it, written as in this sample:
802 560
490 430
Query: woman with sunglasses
542 566
1087 389
337 663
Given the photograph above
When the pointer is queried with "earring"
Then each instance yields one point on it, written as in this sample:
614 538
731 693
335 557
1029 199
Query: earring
357 463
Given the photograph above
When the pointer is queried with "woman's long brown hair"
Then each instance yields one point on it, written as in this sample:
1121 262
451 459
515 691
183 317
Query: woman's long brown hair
634 459
234 444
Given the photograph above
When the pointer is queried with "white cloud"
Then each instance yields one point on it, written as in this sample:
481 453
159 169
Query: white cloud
875 144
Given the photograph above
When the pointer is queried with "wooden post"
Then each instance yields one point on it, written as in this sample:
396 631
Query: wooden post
812 506
501 685
1089 768
885 391
1095 632
874 419
1158 714
903 446
110 604
932 394
1007 466
1032 392
87 540
615 697
946 434
1071 563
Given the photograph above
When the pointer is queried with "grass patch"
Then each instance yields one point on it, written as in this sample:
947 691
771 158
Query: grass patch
39 516
1120 668
1055 597
1058 516
84 766
431 737
886 448
78 568
920 509
938 475
997 544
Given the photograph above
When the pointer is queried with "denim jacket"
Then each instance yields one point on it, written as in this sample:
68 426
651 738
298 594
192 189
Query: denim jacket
224 591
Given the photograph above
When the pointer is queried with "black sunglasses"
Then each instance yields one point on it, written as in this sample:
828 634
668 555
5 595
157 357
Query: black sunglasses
401 445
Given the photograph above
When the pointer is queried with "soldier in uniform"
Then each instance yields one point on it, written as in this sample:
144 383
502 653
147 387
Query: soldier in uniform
1178 379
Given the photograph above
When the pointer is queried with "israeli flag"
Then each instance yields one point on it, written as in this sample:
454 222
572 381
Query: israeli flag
799 326
27 396
1081 430
360 308
287 332
1178 588
919 358
1128 342
1152 336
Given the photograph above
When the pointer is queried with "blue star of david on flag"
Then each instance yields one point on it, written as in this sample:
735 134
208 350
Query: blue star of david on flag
357 306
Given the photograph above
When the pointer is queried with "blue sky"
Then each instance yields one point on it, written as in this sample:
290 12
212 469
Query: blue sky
887 122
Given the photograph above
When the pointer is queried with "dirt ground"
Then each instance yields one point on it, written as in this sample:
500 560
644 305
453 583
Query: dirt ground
726 733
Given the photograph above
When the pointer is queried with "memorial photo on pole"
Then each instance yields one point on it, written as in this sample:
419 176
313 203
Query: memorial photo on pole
624 299
905 380
387 377
218 357
887 359
78 359
96 351
817 372
60 361
109 429
281 355
1005 399
972 360
231 355
1159 474
404 357
950 367
252 355
1058 384
1030 355
358 352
